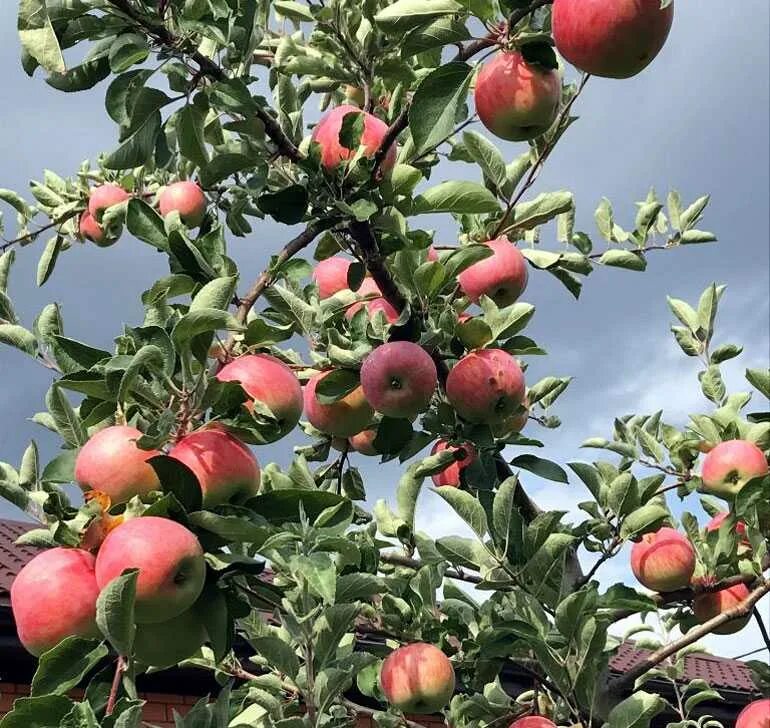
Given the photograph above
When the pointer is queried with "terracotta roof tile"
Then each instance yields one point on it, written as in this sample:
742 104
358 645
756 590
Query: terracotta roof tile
12 557
719 672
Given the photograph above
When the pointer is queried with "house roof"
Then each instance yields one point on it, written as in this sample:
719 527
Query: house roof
719 672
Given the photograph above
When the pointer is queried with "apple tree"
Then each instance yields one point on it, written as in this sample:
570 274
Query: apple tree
308 606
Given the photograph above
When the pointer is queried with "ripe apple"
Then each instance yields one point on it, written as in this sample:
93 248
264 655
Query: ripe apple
663 561
369 287
502 276
165 644
363 442
226 469
533 721
432 254
486 386
104 196
730 465
399 379
451 475
614 40
331 276
417 678
268 380
53 597
755 715
716 523
327 134
111 462
170 562
517 100
187 199
711 604
93 231
344 418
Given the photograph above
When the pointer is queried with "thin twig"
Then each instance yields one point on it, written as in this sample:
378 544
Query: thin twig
34 234
409 563
740 610
762 628
363 710
120 666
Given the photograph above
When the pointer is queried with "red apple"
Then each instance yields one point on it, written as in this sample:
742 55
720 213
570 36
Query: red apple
170 562
53 597
711 604
111 462
502 276
663 561
344 418
730 465
226 469
486 386
104 196
417 678
327 134
93 231
268 380
331 276
612 39
716 523
399 379
432 254
517 100
165 644
755 715
533 721
363 442
373 305
451 475
187 199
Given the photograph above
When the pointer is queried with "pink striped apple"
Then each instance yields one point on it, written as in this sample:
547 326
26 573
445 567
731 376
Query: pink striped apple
417 678
711 604
187 199
730 465
517 100
331 276
344 418
663 561
502 276
104 196
755 715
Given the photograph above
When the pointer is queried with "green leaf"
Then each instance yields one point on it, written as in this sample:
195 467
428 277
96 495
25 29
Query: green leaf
487 156
336 385
541 467
67 421
288 205
636 711
37 36
127 50
439 33
456 196
115 611
293 10
148 357
393 435
684 312
437 104
320 573
46 711
233 529
725 353
407 492
691 216
467 507
48 259
192 144
643 520
760 379
627 259
203 320
712 384
545 207
18 337
283 506
403 15
215 294
138 147
176 478
144 223
279 654
63 667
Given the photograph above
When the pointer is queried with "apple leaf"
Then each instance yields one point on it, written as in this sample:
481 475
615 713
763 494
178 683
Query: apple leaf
115 611
63 667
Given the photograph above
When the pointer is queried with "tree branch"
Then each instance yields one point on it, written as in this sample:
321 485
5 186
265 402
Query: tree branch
267 278
207 67
762 628
362 710
459 574
740 610
31 236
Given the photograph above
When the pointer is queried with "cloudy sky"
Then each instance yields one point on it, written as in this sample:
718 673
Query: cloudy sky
696 120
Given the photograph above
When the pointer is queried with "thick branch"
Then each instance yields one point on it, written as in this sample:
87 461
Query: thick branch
266 279
740 610
162 35
363 234
459 574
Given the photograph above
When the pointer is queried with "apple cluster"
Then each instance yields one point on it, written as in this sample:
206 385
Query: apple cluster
185 198
665 561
